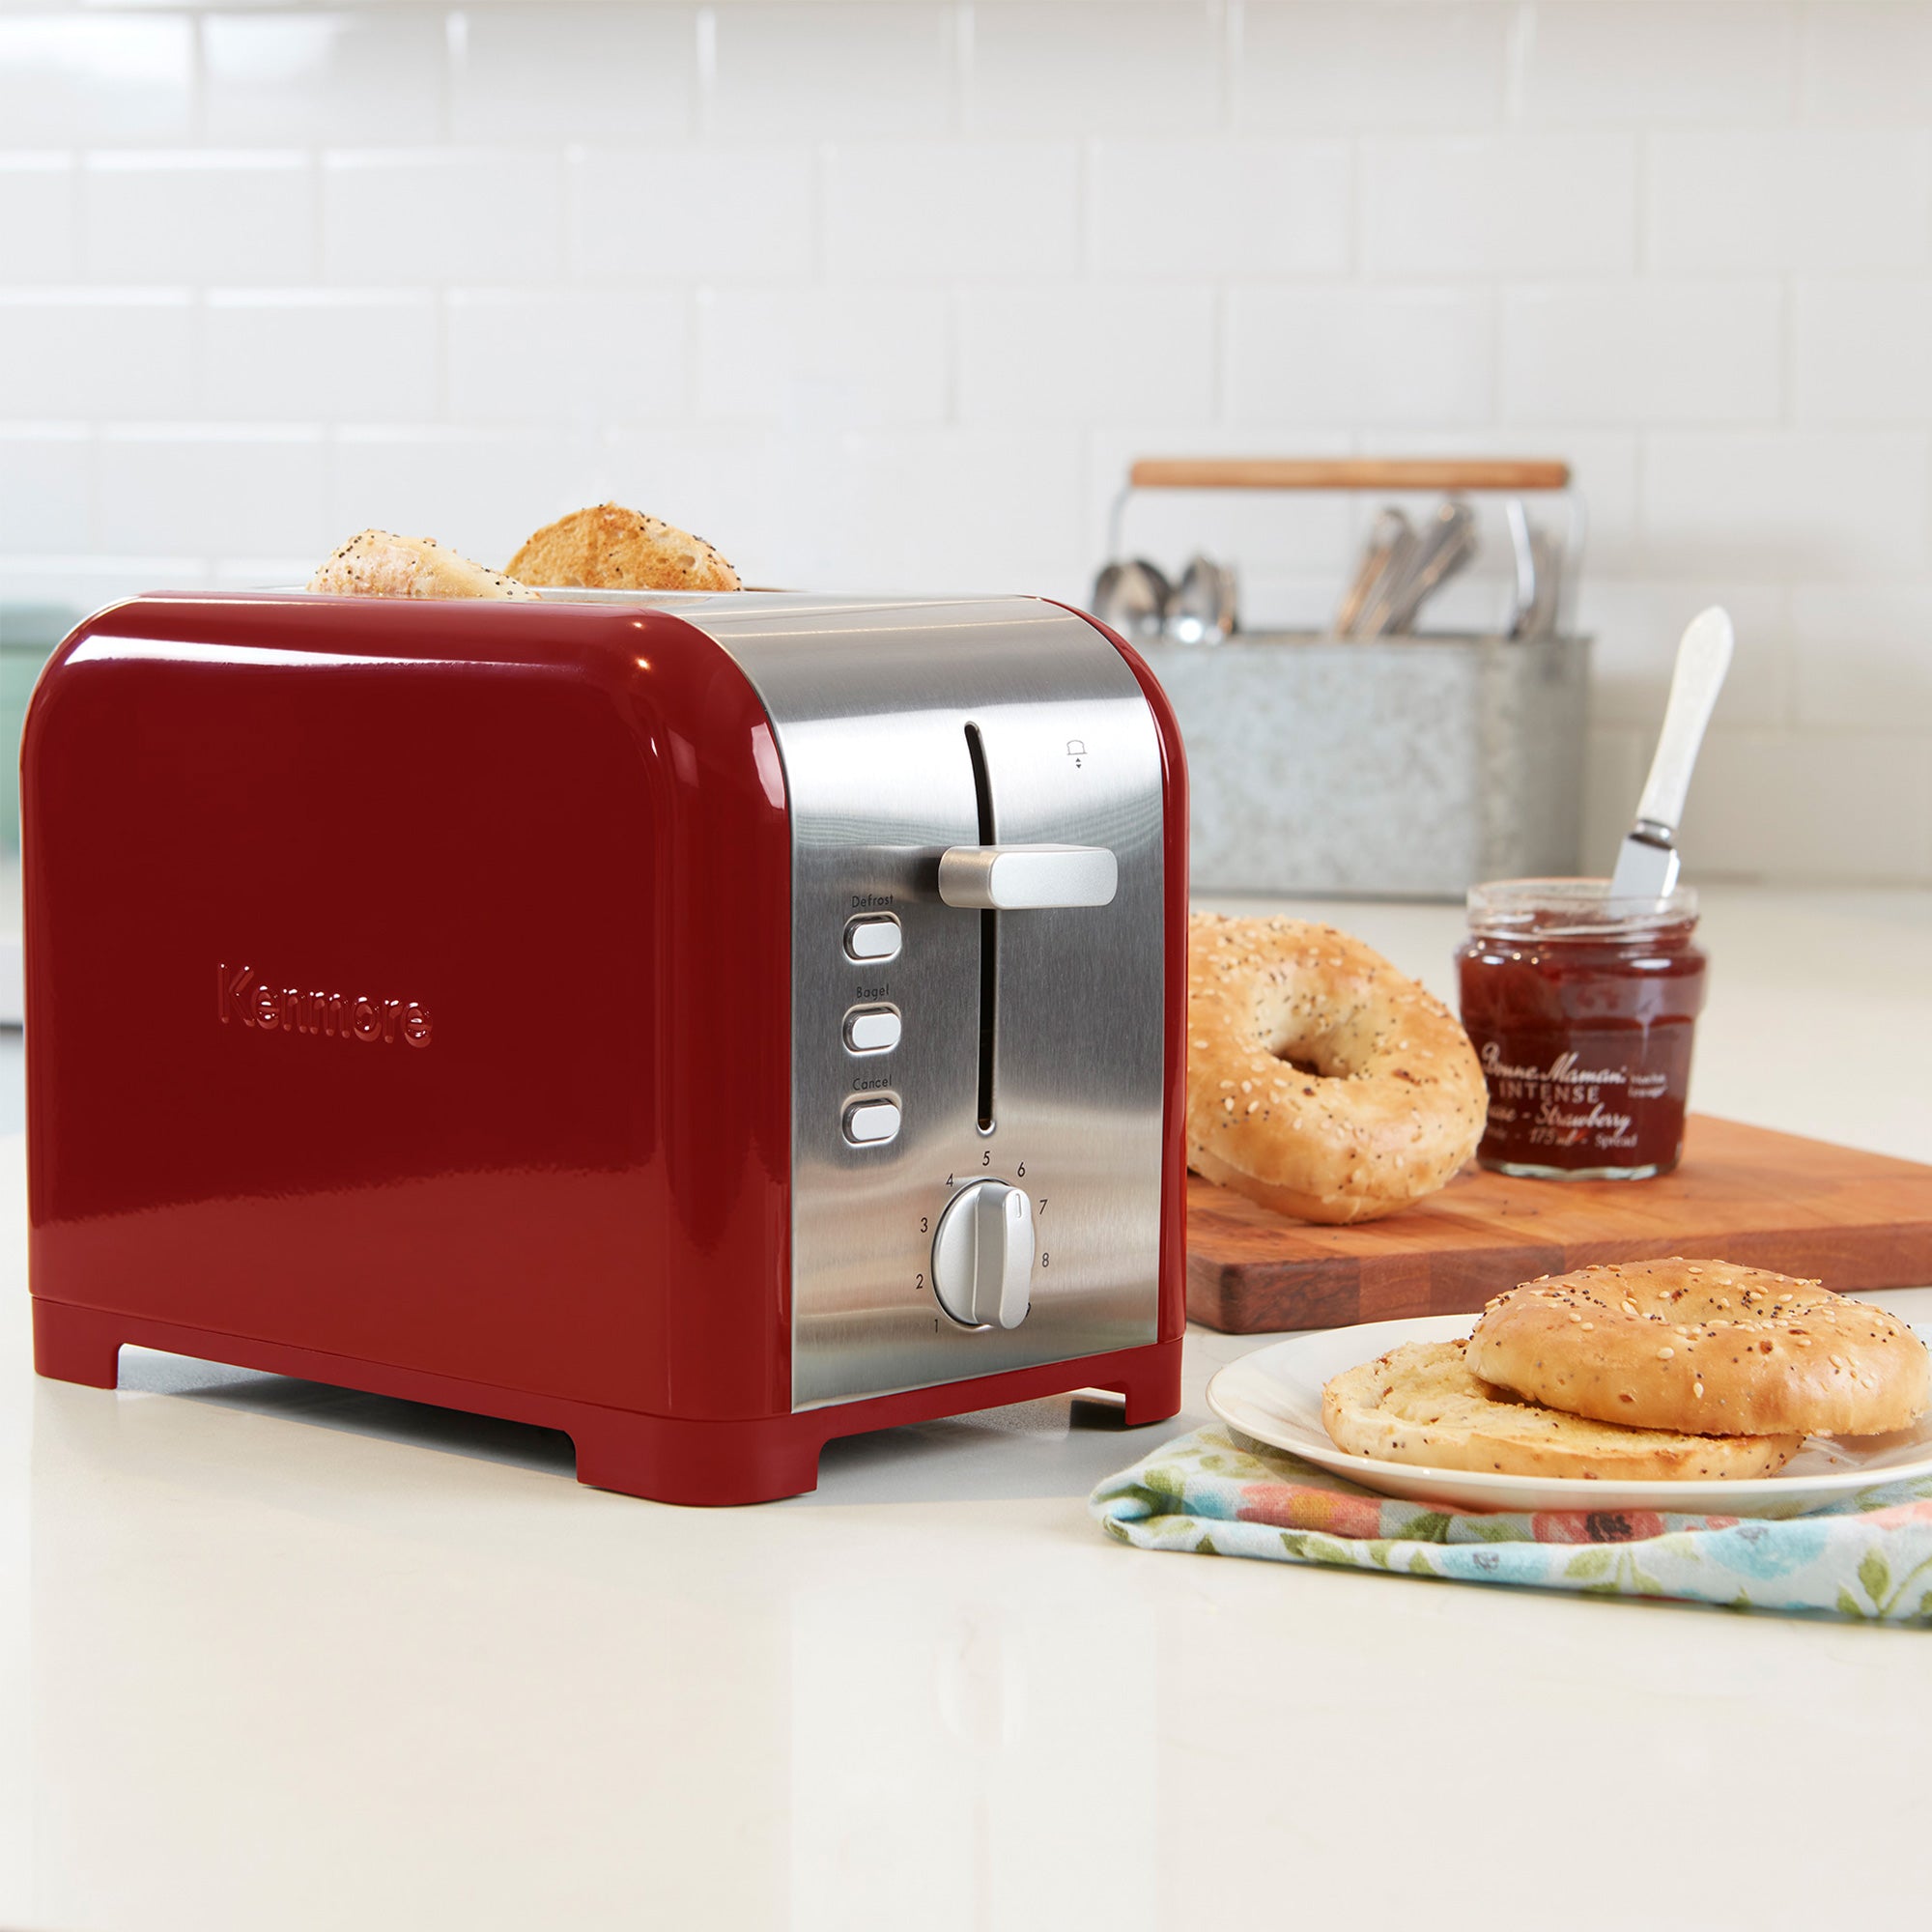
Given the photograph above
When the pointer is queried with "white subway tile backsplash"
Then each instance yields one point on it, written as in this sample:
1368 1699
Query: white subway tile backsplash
1863 62
1408 358
46 491
1810 199
1497 204
951 211
571 72
1672 351
823 359
1094 353
482 491
1695 62
641 215
575 357
1637 624
1791 506
261 573
1851 808
1340 63
109 80
96 353
892 509
1118 67
1606 467
442 215
88 581
1862 351
193 215
319 356
887 294
1186 209
867 67
39 228
1614 764
726 483
1863 655
198 491
296 75
945 509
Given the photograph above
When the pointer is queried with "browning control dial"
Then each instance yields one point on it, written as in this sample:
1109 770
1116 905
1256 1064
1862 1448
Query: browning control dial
983 1256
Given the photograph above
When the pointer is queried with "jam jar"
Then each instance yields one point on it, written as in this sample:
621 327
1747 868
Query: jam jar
1581 1009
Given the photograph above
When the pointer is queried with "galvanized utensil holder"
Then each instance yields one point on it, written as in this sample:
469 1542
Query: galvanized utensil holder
1404 767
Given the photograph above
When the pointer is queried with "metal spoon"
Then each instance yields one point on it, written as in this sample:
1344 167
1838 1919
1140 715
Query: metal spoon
1132 597
1201 609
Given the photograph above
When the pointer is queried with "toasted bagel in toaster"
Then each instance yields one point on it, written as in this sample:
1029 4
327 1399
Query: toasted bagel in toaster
609 548
378 564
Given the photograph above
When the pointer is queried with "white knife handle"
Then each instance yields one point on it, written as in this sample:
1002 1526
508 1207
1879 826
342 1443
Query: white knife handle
1702 660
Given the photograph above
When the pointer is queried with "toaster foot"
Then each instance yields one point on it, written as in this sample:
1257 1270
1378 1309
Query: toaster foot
667 1461
75 1345
765 1458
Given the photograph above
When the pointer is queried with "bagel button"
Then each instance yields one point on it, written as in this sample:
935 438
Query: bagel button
871 1029
873 1123
876 936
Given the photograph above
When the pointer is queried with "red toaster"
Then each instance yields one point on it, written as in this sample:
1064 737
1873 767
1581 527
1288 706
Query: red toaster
704 1024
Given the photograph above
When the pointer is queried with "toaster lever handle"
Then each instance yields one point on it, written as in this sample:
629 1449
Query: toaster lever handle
1017 878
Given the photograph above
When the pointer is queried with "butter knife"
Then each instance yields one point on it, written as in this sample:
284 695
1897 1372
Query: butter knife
1647 860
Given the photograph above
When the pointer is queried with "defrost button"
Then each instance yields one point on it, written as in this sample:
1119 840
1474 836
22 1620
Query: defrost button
873 1123
873 938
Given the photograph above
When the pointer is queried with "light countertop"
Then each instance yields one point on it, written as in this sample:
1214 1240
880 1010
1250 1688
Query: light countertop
273 1655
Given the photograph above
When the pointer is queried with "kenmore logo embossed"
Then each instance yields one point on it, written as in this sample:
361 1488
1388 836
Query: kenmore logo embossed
252 1000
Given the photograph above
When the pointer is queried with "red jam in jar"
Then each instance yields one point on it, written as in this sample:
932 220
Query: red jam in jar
1581 1009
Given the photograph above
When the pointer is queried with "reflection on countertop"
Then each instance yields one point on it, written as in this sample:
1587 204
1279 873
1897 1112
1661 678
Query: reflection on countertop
273 1653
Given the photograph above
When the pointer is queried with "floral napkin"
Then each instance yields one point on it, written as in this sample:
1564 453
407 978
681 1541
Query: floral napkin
1216 1494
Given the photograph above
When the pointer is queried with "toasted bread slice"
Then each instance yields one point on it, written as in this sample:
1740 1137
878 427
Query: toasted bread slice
609 548
1423 1403
378 564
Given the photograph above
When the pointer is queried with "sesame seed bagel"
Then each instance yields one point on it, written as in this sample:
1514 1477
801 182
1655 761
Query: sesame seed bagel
1321 1082
1705 1347
609 548
1423 1402
378 564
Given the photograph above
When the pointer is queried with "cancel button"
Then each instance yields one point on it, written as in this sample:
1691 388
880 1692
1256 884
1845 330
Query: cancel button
873 1123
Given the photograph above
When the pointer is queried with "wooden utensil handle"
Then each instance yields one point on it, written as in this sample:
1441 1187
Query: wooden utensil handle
1347 472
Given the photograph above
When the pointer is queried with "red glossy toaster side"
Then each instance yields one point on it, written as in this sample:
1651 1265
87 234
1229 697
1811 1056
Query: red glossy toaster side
411 1007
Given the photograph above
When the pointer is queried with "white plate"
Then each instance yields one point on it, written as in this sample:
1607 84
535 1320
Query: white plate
1275 1396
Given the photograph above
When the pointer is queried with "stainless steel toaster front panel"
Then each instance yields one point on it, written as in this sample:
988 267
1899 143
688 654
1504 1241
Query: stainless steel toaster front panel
870 706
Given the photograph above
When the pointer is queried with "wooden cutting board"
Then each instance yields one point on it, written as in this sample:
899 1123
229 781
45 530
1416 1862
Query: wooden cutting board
1742 1194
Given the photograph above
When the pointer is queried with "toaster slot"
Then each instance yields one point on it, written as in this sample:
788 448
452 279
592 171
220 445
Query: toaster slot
989 934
